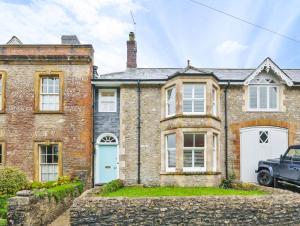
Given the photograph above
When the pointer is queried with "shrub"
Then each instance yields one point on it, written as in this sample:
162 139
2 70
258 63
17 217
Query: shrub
112 186
12 180
227 183
64 180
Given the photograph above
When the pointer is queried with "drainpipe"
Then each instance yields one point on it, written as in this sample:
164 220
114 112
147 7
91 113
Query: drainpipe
139 132
226 130
93 132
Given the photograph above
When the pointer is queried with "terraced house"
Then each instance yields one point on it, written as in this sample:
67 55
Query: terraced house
191 126
45 108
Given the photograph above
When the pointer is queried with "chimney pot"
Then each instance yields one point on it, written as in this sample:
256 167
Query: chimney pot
131 51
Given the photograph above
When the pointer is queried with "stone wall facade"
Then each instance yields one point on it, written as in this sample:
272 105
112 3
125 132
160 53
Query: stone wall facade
22 126
26 209
288 117
150 134
278 208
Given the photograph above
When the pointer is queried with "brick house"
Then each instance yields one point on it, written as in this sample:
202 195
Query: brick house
45 108
191 126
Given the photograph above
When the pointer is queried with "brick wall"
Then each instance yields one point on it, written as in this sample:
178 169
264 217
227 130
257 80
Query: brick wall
21 127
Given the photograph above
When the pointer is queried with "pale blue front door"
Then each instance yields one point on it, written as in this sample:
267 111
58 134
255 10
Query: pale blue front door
106 163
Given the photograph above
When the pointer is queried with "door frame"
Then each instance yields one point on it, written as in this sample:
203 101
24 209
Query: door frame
286 130
99 143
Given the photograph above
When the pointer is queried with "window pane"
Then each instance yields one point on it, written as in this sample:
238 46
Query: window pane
172 158
263 97
107 100
187 106
188 140
199 140
171 150
48 162
199 106
187 158
214 101
1 155
273 97
187 91
199 91
198 158
253 97
171 96
171 141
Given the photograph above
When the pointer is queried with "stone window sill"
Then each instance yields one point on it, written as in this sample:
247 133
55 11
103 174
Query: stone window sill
190 116
190 173
49 112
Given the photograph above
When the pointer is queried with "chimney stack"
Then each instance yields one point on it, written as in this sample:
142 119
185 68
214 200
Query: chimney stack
131 51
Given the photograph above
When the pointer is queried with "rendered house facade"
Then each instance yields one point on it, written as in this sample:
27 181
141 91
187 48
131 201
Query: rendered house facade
45 108
192 126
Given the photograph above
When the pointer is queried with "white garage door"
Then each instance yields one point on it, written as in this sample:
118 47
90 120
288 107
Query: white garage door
260 143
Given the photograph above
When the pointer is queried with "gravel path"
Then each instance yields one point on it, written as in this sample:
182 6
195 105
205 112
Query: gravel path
62 220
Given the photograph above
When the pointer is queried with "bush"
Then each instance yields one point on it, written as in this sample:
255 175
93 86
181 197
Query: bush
112 186
12 180
227 183
64 180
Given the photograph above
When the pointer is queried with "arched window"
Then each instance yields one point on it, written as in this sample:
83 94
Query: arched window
107 138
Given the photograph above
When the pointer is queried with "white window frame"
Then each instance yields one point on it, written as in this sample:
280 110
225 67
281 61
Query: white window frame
1 92
194 99
195 169
53 164
215 152
170 169
214 101
2 155
99 99
42 94
168 101
258 108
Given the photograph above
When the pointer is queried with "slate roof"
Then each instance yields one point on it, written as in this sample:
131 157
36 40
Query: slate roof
223 74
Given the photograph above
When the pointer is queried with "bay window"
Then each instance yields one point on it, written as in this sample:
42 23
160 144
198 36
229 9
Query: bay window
194 98
193 152
171 152
263 98
171 101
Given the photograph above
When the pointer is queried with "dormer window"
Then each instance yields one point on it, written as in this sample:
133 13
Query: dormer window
263 94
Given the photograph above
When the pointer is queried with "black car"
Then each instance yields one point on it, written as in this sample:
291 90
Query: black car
286 168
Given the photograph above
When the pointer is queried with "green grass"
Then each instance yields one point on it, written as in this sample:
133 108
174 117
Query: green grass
178 191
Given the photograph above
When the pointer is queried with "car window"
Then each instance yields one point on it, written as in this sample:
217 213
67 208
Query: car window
293 154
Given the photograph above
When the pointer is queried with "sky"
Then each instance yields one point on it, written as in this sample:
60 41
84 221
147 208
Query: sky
168 32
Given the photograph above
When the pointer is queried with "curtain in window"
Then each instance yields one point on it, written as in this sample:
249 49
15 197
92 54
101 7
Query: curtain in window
273 97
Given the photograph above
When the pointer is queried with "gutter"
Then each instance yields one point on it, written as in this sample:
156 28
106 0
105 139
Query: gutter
93 138
139 132
226 130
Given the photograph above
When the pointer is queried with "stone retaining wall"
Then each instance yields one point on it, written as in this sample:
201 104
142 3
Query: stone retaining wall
279 207
26 209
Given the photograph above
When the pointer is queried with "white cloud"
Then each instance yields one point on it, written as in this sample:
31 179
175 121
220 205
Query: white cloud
229 47
103 23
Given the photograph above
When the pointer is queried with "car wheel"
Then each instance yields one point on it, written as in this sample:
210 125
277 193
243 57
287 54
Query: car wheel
264 178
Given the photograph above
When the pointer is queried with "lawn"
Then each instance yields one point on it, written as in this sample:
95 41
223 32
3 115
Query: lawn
178 191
